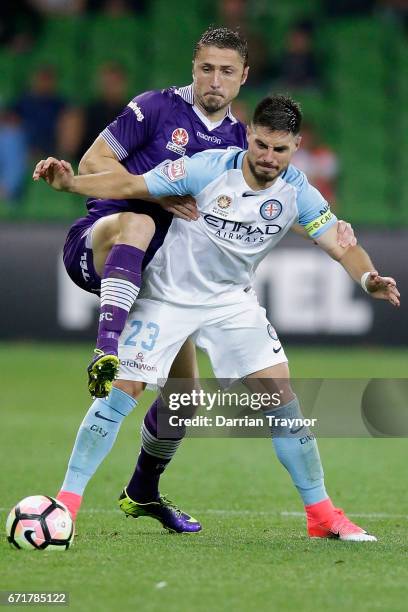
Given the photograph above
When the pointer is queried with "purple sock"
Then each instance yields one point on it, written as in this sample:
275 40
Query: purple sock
120 286
153 459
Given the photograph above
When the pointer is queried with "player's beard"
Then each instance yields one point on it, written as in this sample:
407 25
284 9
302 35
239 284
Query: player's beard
263 177
212 104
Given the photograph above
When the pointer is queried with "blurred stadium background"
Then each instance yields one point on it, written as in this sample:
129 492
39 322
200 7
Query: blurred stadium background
65 66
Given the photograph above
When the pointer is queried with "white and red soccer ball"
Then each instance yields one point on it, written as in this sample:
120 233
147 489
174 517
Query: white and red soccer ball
40 522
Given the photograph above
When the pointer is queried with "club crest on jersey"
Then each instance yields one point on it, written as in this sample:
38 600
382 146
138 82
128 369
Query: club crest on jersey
272 332
174 171
224 201
270 210
179 141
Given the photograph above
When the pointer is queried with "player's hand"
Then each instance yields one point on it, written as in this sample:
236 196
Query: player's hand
345 235
183 207
57 173
383 288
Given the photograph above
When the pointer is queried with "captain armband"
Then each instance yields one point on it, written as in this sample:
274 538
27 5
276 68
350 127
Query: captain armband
314 226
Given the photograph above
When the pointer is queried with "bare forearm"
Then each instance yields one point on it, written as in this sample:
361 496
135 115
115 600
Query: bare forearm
110 185
93 164
100 158
356 262
98 164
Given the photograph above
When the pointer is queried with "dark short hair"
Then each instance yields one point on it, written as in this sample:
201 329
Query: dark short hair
223 38
278 113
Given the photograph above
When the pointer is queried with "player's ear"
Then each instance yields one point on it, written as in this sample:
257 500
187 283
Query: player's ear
298 140
248 131
244 75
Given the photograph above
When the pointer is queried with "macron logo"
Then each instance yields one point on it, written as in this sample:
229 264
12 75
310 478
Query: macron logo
136 109
213 139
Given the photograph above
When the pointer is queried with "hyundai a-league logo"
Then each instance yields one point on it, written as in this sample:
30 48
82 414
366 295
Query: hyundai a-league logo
270 210
178 142
180 137
224 201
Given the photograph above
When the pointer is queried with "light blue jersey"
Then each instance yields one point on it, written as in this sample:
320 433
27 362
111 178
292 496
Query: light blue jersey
213 260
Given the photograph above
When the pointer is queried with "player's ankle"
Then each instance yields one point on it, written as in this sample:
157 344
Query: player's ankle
320 511
108 343
72 501
141 494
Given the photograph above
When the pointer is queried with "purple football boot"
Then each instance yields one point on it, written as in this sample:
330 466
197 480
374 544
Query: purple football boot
163 510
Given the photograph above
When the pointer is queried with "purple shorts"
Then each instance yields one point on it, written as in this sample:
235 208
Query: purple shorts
78 256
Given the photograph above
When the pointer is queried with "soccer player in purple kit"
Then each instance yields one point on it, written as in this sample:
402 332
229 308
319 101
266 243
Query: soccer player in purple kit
105 251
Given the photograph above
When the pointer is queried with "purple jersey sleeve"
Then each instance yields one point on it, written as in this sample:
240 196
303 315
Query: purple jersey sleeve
137 123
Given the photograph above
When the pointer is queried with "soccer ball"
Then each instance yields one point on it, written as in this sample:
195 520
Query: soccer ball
40 522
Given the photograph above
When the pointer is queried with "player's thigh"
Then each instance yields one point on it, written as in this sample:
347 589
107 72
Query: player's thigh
126 227
185 364
183 376
241 342
153 335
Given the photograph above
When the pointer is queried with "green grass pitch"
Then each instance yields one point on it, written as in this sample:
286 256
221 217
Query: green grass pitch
252 554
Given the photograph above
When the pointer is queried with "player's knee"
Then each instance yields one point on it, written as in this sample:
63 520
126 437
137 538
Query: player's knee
135 229
131 387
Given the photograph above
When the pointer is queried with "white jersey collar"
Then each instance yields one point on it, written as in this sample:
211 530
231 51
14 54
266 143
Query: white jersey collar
210 125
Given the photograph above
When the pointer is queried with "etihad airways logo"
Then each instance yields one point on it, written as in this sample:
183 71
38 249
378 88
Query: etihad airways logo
236 230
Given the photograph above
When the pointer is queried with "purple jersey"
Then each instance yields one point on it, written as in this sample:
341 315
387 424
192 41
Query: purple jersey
154 127
157 126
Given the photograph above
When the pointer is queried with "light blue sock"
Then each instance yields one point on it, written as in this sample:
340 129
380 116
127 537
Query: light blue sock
95 438
299 454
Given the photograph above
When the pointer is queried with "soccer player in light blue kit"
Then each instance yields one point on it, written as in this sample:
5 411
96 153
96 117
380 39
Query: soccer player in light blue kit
197 284
106 251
